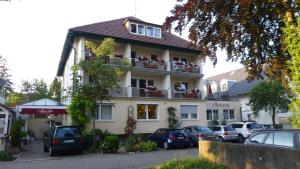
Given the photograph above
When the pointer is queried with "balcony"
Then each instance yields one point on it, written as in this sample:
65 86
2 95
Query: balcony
150 92
121 92
178 66
222 96
144 62
187 94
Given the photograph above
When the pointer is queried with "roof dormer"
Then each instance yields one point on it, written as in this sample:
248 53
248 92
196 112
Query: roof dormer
143 29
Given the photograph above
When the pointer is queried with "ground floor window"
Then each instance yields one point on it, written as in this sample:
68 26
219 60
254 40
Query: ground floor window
146 111
188 111
212 114
104 112
228 114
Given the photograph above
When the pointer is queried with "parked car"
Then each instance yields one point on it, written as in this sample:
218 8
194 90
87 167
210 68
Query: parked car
245 129
274 149
169 138
275 138
63 138
224 133
195 133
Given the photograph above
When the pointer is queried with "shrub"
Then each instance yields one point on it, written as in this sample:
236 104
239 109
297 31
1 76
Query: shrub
16 134
5 156
88 139
110 144
130 142
146 146
188 163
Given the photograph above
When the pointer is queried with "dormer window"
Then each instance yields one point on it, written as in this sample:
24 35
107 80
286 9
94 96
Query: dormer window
133 28
145 30
141 29
150 31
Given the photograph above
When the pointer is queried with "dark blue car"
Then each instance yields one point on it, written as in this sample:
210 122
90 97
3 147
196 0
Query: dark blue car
169 138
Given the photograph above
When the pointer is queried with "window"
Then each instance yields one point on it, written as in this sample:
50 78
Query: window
269 139
259 138
188 111
157 33
181 86
237 126
147 111
141 29
224 87
150 31
228 114
284 139
104 112
212 114
133 28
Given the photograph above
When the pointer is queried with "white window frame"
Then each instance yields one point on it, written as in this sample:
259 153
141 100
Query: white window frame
147 115
159 35
228 113
190 114
213 112
145 30
136 28
99 113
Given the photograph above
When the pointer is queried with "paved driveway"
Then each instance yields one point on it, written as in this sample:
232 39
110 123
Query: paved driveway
41 160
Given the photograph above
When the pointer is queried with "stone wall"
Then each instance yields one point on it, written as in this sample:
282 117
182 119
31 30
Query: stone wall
239 156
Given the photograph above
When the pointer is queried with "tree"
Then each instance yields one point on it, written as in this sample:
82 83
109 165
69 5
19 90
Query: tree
55 89
34 90
173 120
103 78
271 96
292 43
250 31
4 74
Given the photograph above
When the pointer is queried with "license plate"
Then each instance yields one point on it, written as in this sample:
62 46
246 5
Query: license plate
69 141
180 137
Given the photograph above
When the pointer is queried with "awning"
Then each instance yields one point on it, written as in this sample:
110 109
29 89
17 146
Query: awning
42 107
41 111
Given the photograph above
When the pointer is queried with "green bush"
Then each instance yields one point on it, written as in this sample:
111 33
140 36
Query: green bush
88 139
110 144
5 156
16 134
146 146
191 163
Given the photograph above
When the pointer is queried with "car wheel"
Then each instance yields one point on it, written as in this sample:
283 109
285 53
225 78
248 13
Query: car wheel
51 152
241 138
166 145
220 139
46 149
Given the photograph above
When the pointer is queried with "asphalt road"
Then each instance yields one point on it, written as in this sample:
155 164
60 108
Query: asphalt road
95 161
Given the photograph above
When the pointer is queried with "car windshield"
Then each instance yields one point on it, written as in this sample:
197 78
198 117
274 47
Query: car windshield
228 128
203 129
253 126
175 131
67 132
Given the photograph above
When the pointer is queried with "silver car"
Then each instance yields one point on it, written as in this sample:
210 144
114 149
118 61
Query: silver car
224 133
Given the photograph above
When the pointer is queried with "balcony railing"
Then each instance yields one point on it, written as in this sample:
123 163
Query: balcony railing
179 67
149 64
149 92
219 96
121 92
188 94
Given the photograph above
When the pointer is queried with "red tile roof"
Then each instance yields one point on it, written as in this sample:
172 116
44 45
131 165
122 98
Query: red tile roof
116 29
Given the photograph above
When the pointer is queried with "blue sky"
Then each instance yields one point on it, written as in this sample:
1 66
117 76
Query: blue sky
32 32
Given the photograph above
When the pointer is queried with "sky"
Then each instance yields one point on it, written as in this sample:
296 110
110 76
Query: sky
32 32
